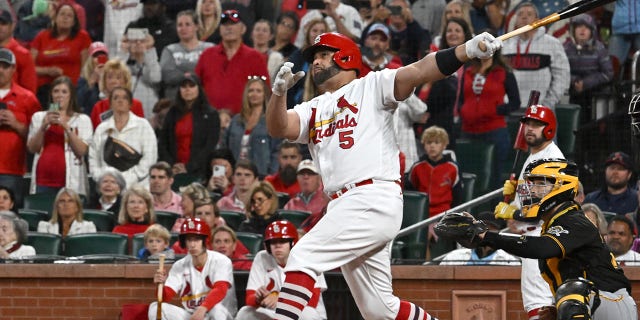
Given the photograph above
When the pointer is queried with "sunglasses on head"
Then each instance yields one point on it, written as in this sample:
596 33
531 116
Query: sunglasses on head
227 14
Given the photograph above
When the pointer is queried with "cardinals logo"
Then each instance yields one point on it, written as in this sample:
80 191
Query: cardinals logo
343 103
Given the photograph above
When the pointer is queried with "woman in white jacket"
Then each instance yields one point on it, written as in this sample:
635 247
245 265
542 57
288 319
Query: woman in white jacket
60 139
125 126
67 218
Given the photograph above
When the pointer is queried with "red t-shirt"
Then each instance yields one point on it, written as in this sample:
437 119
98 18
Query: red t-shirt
103 105
66 54
51 169
25 74
184 131
279 186
23 104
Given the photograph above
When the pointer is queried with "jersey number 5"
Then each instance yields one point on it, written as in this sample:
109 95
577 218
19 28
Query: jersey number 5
346 140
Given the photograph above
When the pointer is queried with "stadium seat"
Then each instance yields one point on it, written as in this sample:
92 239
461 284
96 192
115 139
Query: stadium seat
233 218
295 216
416 209
252 241
166 218
33 217
568 116
40 201
477 158
45 243
137 243
95 243
181 180
468 180
608 215
283 198
103 220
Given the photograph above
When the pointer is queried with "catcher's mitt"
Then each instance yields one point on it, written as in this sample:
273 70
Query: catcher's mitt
461 227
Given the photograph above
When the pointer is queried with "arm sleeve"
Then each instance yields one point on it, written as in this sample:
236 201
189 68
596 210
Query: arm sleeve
167 294
250 299
151 74
149 151
315 298
560 75
524 246
170 74
217 293
511 88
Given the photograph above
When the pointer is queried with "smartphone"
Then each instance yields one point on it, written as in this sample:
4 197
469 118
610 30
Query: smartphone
315 4
137 33
54 106
219 170
3 106
102 59
395 10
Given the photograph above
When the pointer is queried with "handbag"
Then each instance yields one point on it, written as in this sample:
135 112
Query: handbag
120 155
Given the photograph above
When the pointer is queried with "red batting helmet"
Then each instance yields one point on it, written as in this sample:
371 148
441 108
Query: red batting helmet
281 229
347 53
542 114
194 226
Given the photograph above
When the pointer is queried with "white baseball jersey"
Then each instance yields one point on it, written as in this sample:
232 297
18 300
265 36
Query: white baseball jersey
193 286
350 131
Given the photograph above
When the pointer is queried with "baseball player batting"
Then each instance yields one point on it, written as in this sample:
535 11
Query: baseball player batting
349 130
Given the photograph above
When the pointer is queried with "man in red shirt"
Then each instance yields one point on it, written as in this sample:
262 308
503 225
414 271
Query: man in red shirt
225 68
311 197
285 180
17 106
25 74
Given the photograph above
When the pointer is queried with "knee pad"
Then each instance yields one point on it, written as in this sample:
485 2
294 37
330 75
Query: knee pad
573 299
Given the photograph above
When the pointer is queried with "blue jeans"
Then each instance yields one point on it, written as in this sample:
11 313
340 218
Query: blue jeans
620 44
14 183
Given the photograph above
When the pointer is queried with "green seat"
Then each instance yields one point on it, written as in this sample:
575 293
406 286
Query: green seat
477 158
283 198
568 118
252 241
45 243
181 180
416 209
95 243
468 181
233 218
137 243
166 218
33 217
295 216
40 201
104 220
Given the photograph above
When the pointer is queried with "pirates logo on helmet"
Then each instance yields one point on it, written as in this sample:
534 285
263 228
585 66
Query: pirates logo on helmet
193 226
281 229
347 53
543 114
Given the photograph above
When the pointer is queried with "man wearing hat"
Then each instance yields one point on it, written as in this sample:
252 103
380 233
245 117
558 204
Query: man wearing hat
154 19
17 106
375 55
616 196
225 68
311 197
25 73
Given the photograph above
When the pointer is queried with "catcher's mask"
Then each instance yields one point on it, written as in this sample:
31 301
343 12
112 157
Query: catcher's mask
547 183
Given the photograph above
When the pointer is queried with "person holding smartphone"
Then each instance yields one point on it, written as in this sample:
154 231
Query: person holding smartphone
88 88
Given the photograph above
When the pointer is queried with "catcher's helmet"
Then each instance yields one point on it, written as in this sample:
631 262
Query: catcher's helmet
281 229
560 184
542 114
347 53
194 226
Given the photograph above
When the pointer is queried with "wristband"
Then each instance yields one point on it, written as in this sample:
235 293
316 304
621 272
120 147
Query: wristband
447 61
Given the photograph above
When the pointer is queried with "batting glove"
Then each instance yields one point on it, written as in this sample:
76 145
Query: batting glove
505 211
509 188
490 43
285 79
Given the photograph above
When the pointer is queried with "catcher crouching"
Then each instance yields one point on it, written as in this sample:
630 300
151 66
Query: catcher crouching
574 260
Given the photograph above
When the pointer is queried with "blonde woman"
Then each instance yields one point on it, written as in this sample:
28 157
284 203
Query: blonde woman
136 213
261 209
67 216
208 12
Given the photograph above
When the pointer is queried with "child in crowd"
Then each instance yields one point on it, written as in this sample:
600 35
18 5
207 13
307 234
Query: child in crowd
156 241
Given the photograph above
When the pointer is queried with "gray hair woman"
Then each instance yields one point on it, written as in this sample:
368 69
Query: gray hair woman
13 233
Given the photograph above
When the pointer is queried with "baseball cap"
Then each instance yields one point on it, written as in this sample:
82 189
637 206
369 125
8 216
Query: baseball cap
230 15
490 220
5 16
307 165
190 77
7 56
379 27
98 47
620 158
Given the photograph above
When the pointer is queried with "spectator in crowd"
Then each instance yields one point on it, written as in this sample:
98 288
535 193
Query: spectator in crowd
209 294
286 27
88 88
156 241
25 74
375 50
410 111
142 60
487 15
408 39
594 214
15 119
247 136
295 6
13 235
251 11
59 139
117 16
61 49
261 34
159 26
454 9
340 17
137 213
625 30
209 15
7 199
261 209
226 242
483 109
482 255
538 60
131 133
67 217
207 211
160 181
181 57
191 194
245 176
429 13
589 61
223 84
267 276
190 129
32 17
285 180
220 182
115 74
110 188
616 195
558 29
311 197
621 232
82 15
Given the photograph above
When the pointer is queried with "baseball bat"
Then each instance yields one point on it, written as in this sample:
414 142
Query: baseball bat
520 144
567 12
160 288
